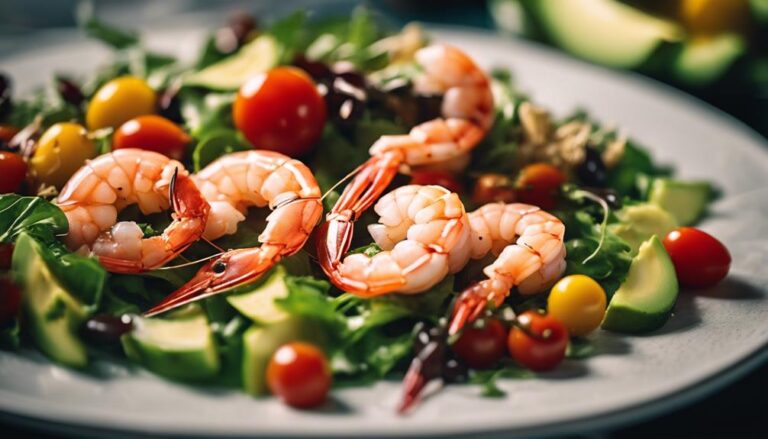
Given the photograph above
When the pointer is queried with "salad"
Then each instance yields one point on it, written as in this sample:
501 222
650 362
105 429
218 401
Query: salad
315 204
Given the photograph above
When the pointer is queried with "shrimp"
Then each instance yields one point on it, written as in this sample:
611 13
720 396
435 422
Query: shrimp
233 183
424 233
98 191
528 243
467 114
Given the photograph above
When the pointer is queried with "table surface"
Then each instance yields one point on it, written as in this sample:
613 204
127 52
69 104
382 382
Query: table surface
736 411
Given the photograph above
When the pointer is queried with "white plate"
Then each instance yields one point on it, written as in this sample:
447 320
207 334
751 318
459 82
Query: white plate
713 337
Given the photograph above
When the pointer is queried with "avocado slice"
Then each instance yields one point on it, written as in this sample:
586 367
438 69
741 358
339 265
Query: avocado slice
684 200
641 221
258 304
702 60
52 314
604 31
260 342
256 57
180 347
644 301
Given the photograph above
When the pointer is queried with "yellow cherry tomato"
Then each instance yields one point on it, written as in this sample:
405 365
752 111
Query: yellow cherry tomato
578 302
710 17
118 101
62 149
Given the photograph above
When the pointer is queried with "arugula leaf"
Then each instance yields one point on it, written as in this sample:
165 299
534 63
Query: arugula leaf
487 379
216 144
31 214
307 297
110 35
288 33
580 348
206 113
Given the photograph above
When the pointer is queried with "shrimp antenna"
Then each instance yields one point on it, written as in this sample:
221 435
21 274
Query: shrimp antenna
172 188
187 264
343 180
603 224
209 242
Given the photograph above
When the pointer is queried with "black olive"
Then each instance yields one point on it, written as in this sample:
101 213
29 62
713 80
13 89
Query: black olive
592 170
455 371
317 70
242 24
106 328
5 95
69 91
168 103
425 335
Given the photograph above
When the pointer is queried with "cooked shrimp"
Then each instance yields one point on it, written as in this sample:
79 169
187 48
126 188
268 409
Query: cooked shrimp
233 183
528 243
424 234
98 191
467 114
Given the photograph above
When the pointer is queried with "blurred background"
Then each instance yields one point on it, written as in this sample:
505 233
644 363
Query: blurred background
716 50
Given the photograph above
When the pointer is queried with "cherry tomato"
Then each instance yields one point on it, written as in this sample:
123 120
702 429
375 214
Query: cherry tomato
6 254
7 132
481 347
62 149
541 342
491 188
13 170
10 300
280 110
700 259
578 302
153 133
298 373
538 184
119 101
440 178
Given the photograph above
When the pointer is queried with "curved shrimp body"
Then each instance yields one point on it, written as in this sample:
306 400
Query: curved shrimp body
528 243
233 183
467 114
97 192
424 233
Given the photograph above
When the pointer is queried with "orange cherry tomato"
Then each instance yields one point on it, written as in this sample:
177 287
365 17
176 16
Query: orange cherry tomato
280 110
13 170
440 178
298 373
541 342
538 184
492 188
700 259
152 133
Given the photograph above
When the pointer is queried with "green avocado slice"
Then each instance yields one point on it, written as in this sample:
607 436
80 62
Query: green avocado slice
644 302
53 315
603 31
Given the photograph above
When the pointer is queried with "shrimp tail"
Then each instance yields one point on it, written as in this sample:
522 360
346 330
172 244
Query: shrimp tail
227 271
426 367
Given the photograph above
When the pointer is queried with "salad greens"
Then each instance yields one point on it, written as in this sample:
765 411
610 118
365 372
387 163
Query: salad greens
365 339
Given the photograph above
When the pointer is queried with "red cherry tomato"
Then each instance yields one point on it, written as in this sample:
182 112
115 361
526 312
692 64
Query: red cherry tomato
13 170
541 342
538 184
10 300
482 347
700 259
280 110
491 188
152 133
440 178
7 132
298 373
6 253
